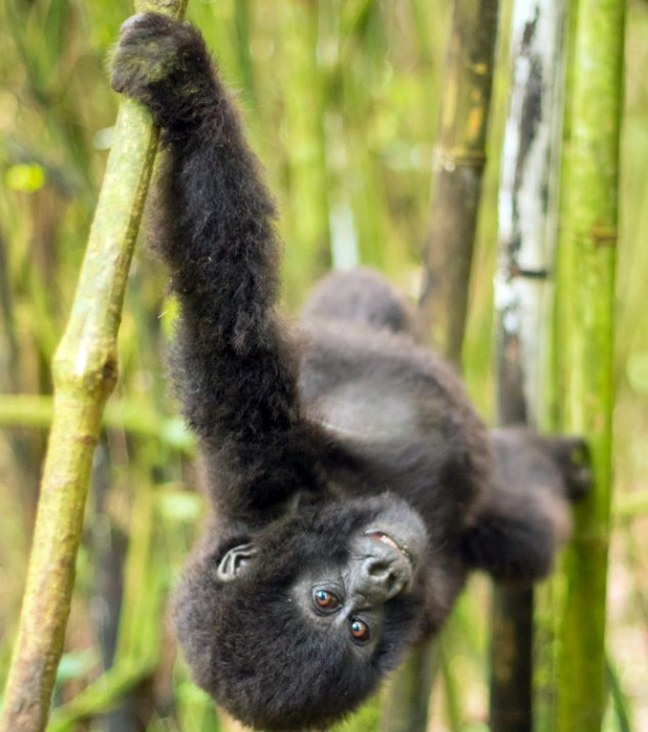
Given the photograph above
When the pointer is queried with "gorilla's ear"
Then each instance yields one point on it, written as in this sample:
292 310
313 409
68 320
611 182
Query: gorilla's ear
235 561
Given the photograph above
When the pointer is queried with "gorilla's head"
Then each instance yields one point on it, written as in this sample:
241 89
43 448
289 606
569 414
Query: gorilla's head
293 626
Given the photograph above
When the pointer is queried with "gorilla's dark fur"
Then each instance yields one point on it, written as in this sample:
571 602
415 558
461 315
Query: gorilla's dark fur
353 487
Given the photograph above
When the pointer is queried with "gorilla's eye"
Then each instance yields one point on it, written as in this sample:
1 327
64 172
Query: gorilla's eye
359 630
325 600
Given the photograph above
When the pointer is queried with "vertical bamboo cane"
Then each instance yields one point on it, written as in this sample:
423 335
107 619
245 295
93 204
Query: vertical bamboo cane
527 235
459 163
85 372
586 295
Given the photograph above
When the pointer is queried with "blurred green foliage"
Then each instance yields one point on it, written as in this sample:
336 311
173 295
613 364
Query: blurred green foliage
341 100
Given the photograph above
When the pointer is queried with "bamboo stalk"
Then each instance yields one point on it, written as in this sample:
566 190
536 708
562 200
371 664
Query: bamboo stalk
527 233
511 660
405 702
459 163
586 294
140 623
84 372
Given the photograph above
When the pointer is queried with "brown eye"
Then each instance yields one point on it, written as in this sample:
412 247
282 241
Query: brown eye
359 630
326 600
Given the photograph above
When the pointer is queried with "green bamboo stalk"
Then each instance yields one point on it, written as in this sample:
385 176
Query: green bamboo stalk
459 163
84 372
405 701
511 660
587 250
140 623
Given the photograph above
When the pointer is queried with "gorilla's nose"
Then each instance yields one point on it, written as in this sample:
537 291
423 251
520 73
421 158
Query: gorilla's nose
386 576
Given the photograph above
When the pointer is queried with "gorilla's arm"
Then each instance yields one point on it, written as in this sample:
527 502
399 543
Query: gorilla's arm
235 371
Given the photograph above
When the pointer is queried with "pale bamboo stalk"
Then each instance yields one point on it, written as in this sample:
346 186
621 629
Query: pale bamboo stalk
84 373
587 250
527 234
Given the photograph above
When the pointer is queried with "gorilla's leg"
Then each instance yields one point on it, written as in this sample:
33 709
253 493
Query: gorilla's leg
362 296
527 518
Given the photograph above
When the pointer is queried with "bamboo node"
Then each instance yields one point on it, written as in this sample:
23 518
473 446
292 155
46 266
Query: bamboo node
529 273
450 160
604 236
86 370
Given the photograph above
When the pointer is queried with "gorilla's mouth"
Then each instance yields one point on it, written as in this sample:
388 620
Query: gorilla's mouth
390 541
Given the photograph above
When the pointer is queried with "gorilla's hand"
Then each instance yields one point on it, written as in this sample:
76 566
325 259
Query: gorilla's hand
165 64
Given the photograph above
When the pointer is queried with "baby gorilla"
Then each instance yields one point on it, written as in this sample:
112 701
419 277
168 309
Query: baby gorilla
353 487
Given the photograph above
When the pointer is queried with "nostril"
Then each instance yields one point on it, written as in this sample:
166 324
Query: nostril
378 568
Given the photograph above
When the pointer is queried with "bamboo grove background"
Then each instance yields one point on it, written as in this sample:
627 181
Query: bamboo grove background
342 101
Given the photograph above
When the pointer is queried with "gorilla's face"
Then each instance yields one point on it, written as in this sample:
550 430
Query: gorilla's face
347 598
307 614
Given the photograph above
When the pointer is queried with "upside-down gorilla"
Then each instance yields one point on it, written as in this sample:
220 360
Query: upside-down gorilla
353 486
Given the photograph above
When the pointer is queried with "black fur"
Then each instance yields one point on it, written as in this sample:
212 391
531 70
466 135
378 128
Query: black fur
315 454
